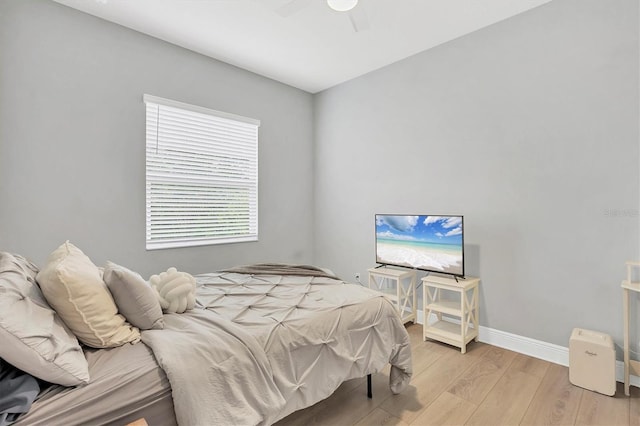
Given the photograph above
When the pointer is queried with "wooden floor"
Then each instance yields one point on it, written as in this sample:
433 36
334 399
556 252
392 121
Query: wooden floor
486 386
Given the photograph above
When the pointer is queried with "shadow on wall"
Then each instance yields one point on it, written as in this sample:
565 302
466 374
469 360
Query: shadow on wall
472 260
472 269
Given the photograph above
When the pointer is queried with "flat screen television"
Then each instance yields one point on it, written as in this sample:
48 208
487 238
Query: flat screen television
427 242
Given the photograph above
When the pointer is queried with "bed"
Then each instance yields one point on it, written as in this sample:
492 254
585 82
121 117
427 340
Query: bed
261 342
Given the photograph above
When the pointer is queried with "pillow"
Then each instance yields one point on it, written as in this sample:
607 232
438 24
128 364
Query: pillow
72 284
176 290
135 299
34 338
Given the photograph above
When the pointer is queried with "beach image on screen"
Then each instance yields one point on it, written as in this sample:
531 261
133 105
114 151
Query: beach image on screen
424 242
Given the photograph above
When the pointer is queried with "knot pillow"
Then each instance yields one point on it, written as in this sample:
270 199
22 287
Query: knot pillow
176 290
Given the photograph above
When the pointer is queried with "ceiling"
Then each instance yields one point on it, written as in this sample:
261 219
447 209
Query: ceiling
304 43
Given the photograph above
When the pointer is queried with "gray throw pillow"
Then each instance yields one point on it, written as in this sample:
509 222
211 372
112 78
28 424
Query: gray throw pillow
134 297
34 338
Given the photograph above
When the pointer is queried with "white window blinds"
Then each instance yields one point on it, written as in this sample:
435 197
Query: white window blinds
202 175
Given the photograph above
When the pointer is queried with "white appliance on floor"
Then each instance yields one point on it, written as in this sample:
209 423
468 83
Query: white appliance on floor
592 361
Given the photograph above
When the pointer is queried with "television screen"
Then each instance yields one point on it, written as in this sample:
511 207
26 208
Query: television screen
430 243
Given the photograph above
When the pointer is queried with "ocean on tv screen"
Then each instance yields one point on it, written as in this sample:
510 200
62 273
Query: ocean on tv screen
432 243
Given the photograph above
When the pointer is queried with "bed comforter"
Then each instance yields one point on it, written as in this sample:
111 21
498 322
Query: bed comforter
265 345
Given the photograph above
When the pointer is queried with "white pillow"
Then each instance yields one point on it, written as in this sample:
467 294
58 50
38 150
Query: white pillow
34 338
73 285
176 290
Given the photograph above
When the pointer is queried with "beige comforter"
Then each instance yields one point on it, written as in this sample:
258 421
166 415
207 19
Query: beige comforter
261 346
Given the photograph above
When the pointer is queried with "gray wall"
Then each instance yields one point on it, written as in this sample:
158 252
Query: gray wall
72 162
529 128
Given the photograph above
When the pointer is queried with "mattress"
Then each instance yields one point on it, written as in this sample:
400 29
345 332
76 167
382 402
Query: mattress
127 377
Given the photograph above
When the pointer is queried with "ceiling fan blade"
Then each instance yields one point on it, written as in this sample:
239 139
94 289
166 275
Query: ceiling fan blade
292 7
359 19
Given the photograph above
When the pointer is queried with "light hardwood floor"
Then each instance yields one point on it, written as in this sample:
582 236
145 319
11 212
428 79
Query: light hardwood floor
486 386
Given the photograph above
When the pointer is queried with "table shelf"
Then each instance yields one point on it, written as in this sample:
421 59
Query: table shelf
446 307
449 332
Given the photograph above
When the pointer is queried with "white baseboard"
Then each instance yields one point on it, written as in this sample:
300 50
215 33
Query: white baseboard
525 345
535 348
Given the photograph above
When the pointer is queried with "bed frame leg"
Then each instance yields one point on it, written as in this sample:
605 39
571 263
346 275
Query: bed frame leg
369 393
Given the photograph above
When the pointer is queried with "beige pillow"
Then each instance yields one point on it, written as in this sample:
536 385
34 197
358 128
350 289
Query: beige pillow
134 297
72 284
33 337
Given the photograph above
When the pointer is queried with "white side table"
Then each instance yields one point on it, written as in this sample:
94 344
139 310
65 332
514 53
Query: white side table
630 366
465 307
402 292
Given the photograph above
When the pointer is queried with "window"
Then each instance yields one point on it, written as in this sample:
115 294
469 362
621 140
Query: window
202 175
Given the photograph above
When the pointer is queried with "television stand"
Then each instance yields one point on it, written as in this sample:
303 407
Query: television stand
402 292
448 312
